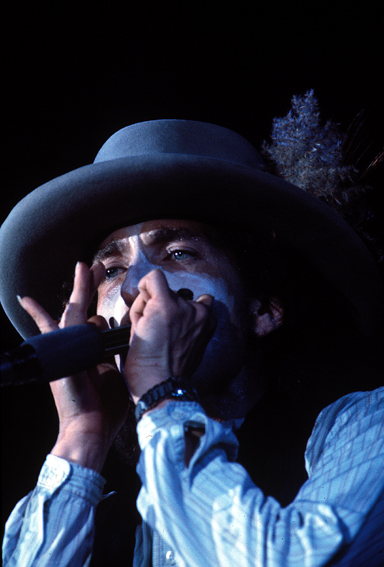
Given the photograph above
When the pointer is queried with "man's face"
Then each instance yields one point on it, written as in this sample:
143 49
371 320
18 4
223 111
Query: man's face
189 259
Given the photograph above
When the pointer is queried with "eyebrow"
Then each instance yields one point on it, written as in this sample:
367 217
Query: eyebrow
115 248
167 234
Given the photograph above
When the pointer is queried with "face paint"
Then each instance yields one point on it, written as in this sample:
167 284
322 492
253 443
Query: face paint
190 260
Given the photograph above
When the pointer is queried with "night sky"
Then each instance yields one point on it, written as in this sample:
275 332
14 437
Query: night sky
73 76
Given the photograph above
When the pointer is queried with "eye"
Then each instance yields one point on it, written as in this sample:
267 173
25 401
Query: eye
111 273
180 255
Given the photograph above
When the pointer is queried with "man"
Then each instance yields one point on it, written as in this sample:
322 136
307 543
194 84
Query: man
175 205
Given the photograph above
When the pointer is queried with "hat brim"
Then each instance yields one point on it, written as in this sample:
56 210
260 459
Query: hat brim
54 226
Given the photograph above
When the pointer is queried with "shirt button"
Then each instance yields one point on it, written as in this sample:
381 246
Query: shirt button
169 557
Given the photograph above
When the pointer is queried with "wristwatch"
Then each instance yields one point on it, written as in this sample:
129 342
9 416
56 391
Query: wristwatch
173 388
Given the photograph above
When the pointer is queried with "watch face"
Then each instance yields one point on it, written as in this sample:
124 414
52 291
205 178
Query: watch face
184 395
179 392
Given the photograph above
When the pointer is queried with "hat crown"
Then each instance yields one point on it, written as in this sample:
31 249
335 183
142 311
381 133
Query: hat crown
184 137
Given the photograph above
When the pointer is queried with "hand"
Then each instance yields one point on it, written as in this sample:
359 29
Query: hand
168 336
92 406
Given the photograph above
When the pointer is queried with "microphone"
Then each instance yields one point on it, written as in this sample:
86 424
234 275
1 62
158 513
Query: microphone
61 353
65 352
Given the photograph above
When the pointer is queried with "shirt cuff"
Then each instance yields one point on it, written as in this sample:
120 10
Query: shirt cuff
58 473
172 415
168 422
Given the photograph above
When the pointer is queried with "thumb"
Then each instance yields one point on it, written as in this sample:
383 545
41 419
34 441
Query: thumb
99 322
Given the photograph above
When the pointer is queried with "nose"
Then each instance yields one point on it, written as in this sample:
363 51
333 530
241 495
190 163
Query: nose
135 272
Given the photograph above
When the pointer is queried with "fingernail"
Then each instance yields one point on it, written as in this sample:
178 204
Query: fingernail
19 299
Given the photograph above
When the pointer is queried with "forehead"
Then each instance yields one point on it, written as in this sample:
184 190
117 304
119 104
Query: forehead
151 230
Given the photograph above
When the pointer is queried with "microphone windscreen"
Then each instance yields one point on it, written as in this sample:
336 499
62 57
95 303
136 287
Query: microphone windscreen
68 351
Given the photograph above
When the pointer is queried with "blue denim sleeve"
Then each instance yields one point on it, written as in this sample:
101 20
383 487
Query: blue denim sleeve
54 524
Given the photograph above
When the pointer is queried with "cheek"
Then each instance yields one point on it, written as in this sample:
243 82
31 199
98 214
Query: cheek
112 304
200 284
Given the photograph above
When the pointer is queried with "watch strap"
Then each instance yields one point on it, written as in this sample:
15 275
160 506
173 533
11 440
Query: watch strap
173 388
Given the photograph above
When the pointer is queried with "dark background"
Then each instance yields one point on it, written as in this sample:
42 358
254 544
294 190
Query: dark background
74 75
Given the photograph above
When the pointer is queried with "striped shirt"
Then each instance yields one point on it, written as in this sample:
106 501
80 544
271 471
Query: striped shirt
211 513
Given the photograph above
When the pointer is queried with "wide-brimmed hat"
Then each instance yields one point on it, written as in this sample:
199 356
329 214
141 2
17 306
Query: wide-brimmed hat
174 169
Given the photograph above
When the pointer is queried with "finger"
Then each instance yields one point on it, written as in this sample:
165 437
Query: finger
137 311
108 359
211 323
42 319
97 276
81 284
206 300
154 284
76 311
